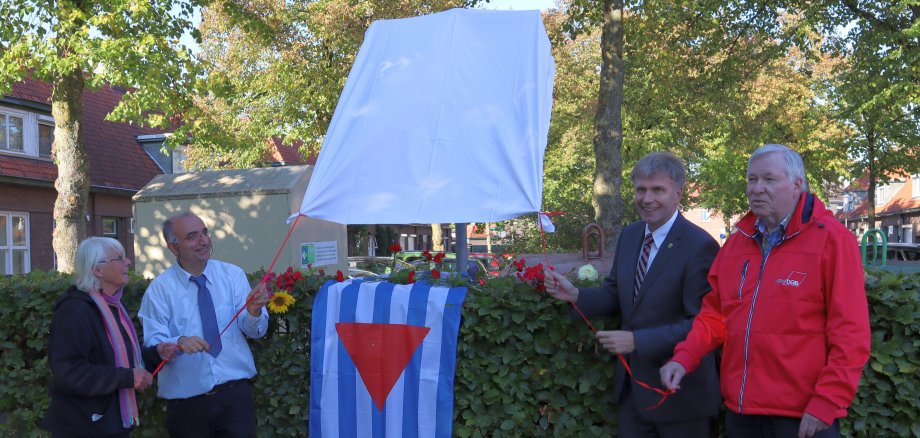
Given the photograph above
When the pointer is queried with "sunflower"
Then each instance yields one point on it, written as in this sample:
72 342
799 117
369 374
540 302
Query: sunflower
280 302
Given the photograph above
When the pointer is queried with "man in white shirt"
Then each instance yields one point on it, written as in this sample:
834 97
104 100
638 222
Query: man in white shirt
207 387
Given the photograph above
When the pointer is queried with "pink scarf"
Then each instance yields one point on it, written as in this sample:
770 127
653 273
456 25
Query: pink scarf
126 399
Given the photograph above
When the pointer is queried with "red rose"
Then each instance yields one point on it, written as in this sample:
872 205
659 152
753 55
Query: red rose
519 264
322 272
298 276
339 276
435 273
411 277
426 255
309 265
438 257
534 273
395 247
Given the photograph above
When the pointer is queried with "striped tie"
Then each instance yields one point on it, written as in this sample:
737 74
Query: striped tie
642 267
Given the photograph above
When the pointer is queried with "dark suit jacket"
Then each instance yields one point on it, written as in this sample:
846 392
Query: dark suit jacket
670 297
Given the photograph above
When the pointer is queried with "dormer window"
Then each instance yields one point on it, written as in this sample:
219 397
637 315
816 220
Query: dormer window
26 133
45 136
11 131
881 194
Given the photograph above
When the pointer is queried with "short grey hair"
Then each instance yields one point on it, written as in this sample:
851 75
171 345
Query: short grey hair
795 168
91 251
661 163
168 233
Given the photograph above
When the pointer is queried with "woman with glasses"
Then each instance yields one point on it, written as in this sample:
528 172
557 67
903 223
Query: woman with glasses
96 361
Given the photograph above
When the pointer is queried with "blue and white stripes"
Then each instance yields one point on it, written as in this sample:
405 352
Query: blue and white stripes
421 402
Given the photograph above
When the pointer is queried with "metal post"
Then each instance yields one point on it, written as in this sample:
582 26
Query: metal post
462 253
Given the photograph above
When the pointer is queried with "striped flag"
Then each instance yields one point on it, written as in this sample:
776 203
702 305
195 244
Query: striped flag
383 358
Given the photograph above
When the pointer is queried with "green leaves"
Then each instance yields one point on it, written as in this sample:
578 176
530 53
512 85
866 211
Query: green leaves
886 402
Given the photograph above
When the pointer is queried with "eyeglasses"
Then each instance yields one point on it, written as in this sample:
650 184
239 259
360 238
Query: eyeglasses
196 235
119 259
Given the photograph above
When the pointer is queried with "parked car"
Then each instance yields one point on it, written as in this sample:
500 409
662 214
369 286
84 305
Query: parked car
356 273
898 253
492 262
474 267
410 256
377 265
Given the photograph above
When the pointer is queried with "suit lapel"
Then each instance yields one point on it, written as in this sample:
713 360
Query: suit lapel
668 248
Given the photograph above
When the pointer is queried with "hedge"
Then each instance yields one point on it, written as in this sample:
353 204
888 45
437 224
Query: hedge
523 368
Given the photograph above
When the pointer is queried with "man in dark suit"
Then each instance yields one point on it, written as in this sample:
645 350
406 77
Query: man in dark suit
656 286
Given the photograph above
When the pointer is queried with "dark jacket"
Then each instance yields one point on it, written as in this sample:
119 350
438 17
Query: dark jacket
669 299
84 379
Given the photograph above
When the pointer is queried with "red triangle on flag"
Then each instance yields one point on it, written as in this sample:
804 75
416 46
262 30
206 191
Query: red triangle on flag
380 353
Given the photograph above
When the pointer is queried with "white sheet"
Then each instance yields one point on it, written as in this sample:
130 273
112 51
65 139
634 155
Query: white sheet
443 119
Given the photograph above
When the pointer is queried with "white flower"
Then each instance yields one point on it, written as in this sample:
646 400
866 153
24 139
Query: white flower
587 272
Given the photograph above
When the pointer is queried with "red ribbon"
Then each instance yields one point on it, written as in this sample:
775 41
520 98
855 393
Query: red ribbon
663 392
249 300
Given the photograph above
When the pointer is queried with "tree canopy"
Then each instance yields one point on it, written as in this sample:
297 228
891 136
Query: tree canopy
73 45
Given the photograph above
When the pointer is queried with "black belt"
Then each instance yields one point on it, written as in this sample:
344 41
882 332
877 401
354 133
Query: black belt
221 387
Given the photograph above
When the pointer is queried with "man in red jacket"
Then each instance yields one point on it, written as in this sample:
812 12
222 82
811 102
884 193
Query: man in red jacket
788 306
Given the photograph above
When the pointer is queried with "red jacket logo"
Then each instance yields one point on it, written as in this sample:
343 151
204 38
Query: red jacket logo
795 279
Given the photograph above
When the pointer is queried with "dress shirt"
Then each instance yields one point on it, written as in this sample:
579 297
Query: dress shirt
770 239
658 236
169 310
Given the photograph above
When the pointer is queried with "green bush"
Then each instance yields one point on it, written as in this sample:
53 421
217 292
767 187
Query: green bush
887 402
523 367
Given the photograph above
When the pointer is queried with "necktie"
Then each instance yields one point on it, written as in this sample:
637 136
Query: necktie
208 316
642 267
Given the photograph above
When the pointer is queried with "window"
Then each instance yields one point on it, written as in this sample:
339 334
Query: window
11 131
14 243
706 215
110 227
45 139
915 186
881 195
27 133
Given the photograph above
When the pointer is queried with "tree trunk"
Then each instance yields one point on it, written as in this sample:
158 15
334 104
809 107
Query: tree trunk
873 178
608 128
437 238
72 182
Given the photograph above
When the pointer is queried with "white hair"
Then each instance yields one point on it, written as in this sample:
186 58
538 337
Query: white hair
91 251
795 168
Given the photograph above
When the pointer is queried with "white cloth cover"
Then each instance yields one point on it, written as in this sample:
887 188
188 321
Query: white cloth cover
444 118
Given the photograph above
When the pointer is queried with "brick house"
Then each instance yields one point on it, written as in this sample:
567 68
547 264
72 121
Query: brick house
119 166
897 209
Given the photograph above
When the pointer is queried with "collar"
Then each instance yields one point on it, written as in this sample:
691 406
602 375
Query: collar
185 277
662 232
781 227
807 210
